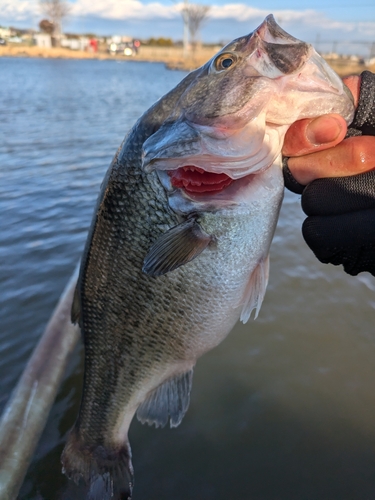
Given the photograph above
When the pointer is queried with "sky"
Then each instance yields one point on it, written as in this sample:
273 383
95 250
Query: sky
341 25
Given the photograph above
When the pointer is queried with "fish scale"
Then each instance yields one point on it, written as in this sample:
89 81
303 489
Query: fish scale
166 273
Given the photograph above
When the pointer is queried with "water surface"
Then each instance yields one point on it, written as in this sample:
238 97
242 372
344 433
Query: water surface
282 410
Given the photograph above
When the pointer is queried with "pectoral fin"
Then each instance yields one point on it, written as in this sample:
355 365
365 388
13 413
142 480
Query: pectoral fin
255 290
176 247
168 401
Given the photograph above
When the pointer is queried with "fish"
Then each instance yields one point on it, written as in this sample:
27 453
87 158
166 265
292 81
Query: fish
178 248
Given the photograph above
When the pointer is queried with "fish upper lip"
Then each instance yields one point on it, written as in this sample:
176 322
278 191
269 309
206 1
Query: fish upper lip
235 153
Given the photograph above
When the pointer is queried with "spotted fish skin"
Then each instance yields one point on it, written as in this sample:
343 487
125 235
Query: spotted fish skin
166 274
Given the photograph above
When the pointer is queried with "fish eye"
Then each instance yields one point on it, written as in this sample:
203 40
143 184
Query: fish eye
225 61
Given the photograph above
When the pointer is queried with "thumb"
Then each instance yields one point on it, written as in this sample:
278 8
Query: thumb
314 134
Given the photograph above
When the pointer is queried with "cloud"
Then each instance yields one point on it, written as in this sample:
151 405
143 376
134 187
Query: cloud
298 22
241 12
17 11
125 9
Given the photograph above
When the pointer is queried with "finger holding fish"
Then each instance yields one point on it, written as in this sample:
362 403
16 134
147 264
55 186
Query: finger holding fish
316 147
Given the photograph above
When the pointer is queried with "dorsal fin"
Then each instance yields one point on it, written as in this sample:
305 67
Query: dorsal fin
176 247
168 401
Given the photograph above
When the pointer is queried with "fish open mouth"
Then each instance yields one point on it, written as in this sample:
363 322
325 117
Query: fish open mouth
196 180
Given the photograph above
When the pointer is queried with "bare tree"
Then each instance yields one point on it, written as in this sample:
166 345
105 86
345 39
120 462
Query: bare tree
55 11
184 13
194 15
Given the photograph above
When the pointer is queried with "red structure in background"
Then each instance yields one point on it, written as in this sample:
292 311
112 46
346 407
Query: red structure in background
92 45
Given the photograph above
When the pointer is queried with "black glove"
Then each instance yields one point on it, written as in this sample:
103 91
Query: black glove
340 227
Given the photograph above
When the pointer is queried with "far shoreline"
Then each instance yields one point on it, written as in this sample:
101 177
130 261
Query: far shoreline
172 57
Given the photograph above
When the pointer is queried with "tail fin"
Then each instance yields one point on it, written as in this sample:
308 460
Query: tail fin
107 472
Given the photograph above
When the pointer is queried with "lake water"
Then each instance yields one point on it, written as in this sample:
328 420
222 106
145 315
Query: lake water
282 410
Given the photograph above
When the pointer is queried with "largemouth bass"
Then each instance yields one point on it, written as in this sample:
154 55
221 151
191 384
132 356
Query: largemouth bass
178 248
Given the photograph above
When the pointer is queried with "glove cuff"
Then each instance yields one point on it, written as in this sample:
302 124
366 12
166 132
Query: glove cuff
364 118
289 180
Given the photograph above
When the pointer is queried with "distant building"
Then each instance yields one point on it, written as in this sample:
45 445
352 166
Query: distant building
75 42
43 40
331 55
6 32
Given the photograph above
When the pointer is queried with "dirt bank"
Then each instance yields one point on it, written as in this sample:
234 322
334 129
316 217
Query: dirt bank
171 56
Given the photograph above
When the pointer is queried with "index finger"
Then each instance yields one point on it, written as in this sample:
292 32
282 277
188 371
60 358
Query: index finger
352 156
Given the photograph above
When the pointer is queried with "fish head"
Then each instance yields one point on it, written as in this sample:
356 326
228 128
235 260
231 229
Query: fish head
231 119
236 84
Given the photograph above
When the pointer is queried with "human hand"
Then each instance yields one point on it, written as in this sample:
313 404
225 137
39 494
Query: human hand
340 196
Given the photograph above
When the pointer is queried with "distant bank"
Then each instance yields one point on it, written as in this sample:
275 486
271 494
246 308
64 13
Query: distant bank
172 56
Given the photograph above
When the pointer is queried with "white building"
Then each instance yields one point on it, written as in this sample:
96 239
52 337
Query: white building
5 33
43 40
80 43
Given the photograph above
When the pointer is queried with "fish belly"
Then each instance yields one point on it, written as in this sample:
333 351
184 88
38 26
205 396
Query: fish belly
142 334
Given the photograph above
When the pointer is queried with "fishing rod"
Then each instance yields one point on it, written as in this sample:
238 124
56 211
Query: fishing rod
25 415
